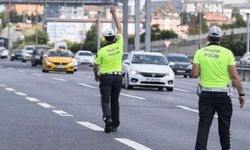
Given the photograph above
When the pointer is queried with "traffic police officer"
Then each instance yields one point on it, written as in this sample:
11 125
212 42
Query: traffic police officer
109 65
216 68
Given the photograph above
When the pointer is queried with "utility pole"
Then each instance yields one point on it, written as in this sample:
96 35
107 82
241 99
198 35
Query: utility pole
148 26
8 26
99 30
113 21
248 38
125 25
37 25
137 25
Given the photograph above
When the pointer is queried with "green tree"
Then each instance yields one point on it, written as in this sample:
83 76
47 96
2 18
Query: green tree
239 20
4 17
90 42
200 25
185 18
235 43
156 34
42 39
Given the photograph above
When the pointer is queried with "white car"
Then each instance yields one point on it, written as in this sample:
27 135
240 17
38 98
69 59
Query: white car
76 63
61 45
28 52
245 59
86 57
3 52
147 69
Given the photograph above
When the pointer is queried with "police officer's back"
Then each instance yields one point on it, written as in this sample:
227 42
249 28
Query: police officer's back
216 68
109 65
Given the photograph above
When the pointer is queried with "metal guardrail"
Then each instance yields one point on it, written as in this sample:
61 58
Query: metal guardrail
244 71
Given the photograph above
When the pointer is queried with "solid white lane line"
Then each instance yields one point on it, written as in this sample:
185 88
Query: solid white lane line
190 109
86 85
36 74
10 89
62 113
32 99
46 105
58 79
182 90
2 85
132 144
21 93
90 126
132 96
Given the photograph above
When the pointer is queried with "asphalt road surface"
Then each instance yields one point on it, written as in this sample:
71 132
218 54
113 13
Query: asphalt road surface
59 111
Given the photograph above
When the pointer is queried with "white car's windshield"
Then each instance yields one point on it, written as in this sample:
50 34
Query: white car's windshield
149 59
59 54
85 54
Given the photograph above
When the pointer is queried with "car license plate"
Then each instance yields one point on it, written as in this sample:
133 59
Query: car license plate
180 71
60 66
152 79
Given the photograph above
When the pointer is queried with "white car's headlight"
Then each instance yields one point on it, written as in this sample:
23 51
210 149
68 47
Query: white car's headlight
133 72
190 66
171 73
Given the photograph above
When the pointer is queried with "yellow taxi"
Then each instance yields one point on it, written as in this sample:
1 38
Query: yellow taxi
58 60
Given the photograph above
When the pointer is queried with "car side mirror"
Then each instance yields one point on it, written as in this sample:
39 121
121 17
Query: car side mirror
126 62
171 63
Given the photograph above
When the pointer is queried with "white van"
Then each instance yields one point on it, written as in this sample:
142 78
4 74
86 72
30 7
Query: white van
61 45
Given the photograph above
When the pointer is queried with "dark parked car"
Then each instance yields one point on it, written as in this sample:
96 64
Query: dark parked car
16 54
182 64
125 56
38 53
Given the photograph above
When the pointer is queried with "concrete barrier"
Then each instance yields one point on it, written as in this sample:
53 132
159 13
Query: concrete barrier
244 74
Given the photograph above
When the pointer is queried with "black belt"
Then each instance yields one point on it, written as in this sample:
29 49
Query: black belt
112 73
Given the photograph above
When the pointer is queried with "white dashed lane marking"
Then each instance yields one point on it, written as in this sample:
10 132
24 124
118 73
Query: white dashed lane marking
20 94
90 126
36 74
59 79
190 109
132 144
10 89
132 96
10 68
1 66
46 105
237 100
62 113
21 71
86 85
32 99
2 85
182 90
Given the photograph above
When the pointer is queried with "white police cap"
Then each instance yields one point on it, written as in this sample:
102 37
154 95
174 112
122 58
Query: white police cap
215 31
109 32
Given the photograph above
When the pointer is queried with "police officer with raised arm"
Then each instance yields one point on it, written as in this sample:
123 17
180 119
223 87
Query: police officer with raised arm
215 65
109 65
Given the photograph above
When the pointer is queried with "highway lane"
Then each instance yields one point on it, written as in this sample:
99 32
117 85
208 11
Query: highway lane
154 121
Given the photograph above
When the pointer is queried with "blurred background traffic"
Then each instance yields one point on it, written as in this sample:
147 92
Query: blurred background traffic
175 28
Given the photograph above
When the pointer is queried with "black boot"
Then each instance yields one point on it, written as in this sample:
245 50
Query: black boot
108 126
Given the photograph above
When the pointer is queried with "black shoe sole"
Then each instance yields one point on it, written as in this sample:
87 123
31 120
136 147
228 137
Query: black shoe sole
108 127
